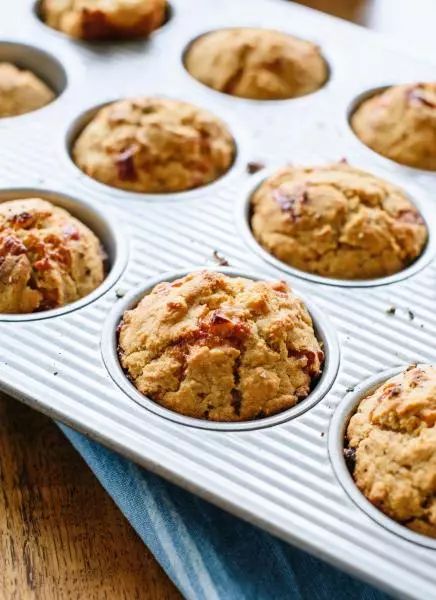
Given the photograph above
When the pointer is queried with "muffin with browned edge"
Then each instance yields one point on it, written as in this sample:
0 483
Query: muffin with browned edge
222 348
103 20
154 145
337 221
392 448
21 91
260 64
48 258
400 124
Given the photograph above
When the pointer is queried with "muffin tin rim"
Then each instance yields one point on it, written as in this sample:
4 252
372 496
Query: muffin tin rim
256 101
75 125
116 231
324 329
347 113
63 63
242 218
335 442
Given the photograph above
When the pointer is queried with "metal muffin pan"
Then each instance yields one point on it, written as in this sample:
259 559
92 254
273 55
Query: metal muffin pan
323 329
337 432
278 477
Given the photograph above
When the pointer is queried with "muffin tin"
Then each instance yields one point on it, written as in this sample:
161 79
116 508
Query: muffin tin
279 474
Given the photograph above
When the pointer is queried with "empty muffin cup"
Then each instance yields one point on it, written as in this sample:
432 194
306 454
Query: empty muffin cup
205 369
291 218
60 253
343 456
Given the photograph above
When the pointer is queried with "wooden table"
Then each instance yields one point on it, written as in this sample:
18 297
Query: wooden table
61 536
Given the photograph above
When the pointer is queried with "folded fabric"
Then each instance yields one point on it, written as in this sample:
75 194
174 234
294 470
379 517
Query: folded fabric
209 554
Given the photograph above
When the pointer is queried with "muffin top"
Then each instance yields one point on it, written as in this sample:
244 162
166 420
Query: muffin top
47 257
393 439
21 91
256 63
400 124
221 348
337 221
154 145
103 20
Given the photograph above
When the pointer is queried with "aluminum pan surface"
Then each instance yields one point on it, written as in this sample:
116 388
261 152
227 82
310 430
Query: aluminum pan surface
279 478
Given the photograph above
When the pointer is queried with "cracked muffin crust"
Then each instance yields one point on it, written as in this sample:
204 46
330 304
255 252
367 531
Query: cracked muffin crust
103 20
392 437
47 257
154 145
337 221
400 124
21 91
260 64
221 348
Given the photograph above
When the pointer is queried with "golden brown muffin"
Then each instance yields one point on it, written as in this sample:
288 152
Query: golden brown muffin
221 348
47 257
392 443
21 91
154 145
400 124
337 221
256 63
103 20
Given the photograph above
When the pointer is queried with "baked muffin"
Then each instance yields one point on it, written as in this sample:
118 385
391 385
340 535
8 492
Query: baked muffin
221 348
256 63
47 257
103 20
337 221
154 145
400 124
392 447
21 91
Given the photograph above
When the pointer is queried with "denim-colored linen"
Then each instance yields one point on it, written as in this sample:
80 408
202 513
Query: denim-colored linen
207 553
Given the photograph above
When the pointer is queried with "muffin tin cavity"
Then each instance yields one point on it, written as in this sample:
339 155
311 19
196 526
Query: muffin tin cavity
323 330
256 64
39 62
243 220
336 445
38 13
104 228
359 99
350 111
237 165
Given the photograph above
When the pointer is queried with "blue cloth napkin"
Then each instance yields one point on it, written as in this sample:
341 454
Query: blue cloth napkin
209 554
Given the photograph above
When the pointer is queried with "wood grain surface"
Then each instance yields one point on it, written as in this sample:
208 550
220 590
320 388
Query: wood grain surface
61 536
